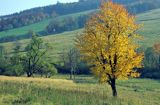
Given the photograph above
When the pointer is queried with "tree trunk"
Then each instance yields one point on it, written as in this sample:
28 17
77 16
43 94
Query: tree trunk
113 86
74 75
71 74
29 74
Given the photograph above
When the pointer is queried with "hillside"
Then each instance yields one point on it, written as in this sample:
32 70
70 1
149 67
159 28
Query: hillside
83 91
148 18
59 42
38 27
32 17
150 31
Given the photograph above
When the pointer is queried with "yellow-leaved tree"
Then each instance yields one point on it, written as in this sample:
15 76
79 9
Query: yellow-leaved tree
108 44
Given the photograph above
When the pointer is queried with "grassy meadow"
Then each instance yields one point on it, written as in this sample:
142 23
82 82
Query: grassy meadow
40 26
149 20
60 42
83 91
151 26
64 41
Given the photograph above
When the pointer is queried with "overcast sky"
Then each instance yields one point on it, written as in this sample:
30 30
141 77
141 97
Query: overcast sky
12 6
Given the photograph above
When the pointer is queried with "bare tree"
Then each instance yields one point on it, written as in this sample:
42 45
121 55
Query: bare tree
73 59
70 61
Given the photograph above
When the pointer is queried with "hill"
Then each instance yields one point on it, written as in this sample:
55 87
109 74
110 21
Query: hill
83 91
59 42
150 29
35 15
38 27
150 32
39 14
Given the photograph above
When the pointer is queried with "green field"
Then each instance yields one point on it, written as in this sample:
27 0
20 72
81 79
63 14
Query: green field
65 41
83 91
150 31
38 27
151 27
59 42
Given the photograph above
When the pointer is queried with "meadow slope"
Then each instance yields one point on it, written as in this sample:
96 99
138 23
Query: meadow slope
59 42
40 26
83 91
151 27
149 31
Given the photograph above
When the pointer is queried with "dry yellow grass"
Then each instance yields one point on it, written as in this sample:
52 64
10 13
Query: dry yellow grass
30 91
32 79
62 84
42 82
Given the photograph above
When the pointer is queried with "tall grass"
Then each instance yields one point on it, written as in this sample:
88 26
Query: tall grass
40 91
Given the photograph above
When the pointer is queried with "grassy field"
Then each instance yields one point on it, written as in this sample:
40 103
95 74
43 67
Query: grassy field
38 27
65 41
150 30
60 42
83 91
151 27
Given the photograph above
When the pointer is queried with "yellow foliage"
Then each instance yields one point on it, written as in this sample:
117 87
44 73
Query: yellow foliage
108 43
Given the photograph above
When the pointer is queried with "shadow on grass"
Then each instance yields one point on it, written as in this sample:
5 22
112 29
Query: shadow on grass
158 80
83 79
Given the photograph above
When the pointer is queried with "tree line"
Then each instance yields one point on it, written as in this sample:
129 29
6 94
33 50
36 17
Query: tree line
32 60
35 15
22 20
152 62
68 24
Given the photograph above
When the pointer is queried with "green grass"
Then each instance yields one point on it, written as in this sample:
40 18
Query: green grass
59 43
151 27
65 41
38 27
40 91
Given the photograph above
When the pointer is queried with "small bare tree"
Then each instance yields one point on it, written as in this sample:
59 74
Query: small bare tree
73 60
70 60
